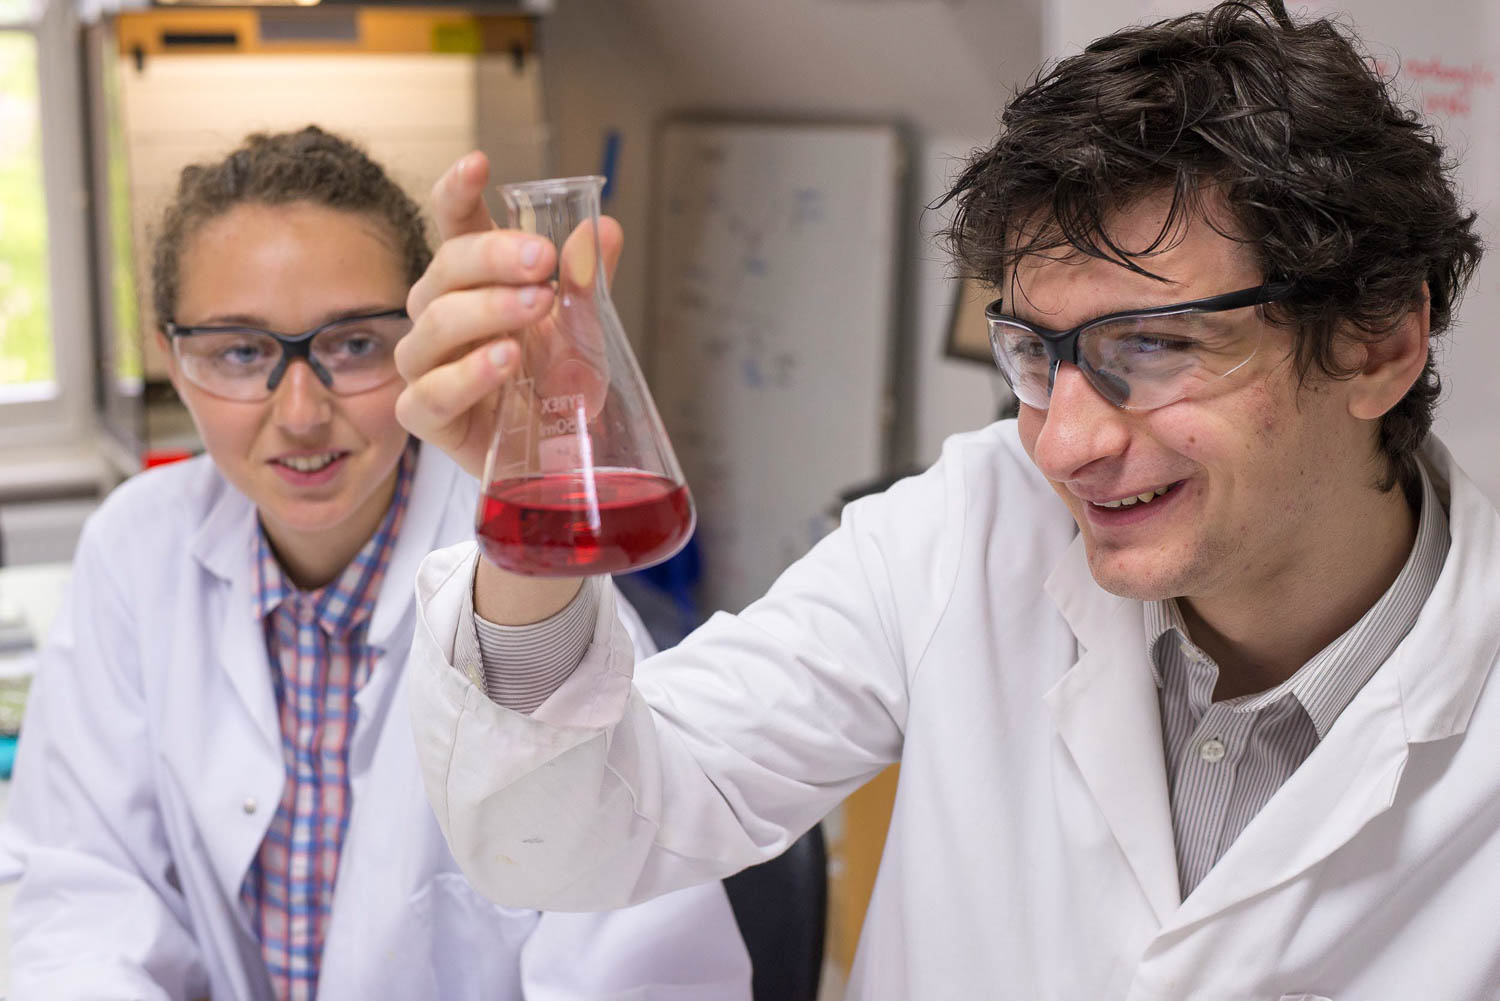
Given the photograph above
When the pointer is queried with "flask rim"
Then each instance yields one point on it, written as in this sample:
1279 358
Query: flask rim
554 185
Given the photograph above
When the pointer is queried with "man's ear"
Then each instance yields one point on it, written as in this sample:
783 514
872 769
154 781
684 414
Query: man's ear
1391 365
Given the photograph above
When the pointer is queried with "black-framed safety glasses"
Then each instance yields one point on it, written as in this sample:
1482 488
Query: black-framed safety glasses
1136 359
351 354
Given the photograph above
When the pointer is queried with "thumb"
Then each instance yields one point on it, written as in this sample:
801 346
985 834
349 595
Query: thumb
458 197
611 242
576 259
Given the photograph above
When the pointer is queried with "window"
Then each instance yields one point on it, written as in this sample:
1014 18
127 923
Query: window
46 355
26 362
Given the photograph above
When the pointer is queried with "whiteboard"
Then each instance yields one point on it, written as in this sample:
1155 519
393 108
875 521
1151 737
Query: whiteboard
774 287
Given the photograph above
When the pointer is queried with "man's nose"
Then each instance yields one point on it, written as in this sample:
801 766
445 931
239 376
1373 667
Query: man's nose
301 403
1080 427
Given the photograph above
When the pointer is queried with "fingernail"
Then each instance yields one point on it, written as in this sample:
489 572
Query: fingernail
528 295
531 252
502 353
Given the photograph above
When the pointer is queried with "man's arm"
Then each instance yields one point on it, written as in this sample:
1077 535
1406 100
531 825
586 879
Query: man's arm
729 746
634 780
519 667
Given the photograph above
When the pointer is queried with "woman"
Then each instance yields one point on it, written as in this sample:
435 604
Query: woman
217 792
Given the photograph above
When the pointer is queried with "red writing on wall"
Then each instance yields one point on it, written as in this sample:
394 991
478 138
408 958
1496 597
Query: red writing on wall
1446 88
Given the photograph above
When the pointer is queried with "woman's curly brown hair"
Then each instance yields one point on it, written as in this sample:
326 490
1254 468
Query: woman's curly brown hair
308 165
1332 182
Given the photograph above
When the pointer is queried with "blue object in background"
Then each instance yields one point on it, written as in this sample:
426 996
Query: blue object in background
609 163
664 594
7 755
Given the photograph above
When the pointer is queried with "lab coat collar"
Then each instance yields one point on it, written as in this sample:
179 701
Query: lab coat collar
1107 714
1445 660
225 541
1426 691
436 479
1106 711
1350 778
225 546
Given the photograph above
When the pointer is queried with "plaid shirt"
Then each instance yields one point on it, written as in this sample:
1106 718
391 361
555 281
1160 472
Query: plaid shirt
319 661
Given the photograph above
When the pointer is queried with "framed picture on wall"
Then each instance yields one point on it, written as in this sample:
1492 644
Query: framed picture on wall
968 334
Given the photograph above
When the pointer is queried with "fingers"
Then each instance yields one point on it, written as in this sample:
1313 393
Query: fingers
573 361
472 260
438 406
457 322
578 267
458 197
611 242
578 380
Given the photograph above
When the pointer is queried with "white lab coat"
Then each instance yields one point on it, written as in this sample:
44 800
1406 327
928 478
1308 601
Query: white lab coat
150 768
952 624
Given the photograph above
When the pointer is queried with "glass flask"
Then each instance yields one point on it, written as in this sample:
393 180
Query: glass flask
580 478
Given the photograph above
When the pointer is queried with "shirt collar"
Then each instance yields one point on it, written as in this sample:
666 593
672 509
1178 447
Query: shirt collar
1162 618
1327 684
349 599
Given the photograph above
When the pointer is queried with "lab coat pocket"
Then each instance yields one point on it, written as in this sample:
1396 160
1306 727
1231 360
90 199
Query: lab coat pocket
460 947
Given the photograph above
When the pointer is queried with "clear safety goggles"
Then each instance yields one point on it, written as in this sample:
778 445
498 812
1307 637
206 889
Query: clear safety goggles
352 354
1138 359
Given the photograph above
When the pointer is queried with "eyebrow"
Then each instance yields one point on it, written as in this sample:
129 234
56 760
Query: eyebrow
259 322
1217 319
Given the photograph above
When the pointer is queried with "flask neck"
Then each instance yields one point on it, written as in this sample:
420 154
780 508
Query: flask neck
565 211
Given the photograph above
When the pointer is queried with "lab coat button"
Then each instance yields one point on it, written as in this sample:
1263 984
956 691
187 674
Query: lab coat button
249 805
1212 750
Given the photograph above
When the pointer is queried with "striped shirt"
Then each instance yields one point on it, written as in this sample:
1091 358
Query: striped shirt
518 667
315 641
1226 759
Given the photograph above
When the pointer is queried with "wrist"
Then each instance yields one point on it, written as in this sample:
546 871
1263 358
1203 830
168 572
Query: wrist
508 599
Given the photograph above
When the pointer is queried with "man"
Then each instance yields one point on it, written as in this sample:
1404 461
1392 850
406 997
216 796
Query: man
1185 667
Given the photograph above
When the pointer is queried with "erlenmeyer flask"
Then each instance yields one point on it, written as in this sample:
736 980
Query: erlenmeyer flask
580 477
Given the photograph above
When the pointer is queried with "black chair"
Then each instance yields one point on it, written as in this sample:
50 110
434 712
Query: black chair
781 907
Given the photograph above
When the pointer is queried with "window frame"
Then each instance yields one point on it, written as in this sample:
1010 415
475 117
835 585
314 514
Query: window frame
68 416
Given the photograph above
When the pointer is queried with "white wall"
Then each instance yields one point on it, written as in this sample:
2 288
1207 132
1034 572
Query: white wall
942 68
603 69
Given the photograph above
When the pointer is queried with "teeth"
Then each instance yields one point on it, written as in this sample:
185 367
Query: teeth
308 463
1145 498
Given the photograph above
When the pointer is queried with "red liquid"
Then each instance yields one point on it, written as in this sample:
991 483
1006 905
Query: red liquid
540 526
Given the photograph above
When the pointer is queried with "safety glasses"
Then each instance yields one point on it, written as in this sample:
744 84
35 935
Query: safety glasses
1137 359
352 354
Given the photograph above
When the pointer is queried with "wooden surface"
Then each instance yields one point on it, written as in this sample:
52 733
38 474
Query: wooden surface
855 859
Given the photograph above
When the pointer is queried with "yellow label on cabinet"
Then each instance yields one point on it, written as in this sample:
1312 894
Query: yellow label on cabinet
456 36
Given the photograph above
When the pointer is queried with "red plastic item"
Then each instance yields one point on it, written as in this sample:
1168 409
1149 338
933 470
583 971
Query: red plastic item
164 457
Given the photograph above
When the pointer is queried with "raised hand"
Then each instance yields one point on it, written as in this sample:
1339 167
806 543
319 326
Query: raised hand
486 286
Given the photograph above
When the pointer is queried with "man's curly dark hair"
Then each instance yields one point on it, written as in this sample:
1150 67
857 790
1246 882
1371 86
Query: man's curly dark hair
1290 126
